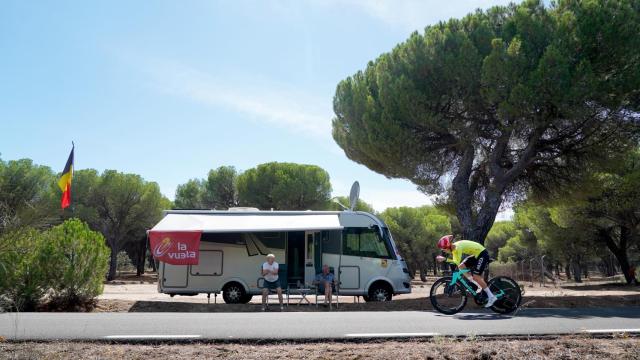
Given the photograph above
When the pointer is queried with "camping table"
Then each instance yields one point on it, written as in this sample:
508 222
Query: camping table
303 292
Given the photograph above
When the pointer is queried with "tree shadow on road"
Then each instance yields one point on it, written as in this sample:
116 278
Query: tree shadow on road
602 287
561 306
580 313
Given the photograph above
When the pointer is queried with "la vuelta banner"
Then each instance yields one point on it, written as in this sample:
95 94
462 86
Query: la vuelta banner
176 247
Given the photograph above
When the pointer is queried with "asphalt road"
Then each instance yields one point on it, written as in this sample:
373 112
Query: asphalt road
311 325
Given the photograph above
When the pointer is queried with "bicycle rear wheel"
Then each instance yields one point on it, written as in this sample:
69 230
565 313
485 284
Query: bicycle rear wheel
511 298
447 299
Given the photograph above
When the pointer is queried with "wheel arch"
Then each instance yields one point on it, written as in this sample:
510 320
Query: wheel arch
380 280
235 280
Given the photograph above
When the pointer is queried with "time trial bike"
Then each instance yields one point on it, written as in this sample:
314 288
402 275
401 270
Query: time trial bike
448 294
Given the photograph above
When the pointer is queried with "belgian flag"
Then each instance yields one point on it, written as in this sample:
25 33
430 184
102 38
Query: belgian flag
65 181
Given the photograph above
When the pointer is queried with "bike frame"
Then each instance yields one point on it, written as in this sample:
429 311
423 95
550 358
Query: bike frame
458 276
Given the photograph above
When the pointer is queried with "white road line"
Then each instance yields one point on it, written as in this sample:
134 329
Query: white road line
134 337
604 331
373 335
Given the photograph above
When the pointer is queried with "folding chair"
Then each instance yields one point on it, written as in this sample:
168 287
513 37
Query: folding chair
334 291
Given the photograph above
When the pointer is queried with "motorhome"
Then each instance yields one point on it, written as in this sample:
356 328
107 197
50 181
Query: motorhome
356 245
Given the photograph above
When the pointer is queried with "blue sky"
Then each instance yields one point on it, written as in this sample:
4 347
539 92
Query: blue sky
171 89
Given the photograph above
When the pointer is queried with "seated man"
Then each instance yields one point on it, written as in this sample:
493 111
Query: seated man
325 281
271 281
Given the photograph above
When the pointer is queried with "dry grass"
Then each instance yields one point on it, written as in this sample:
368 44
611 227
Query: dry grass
445 348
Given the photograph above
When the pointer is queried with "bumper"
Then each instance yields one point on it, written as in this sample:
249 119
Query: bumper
403 287
403 291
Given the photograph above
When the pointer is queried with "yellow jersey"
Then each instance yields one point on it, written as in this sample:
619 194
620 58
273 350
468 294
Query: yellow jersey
465 247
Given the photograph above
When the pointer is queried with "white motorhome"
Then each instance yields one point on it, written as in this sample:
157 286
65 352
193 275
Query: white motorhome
234 244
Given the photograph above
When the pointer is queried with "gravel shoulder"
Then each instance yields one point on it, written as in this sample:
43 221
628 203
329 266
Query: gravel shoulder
444 348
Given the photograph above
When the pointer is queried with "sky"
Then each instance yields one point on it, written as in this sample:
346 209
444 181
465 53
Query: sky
171 89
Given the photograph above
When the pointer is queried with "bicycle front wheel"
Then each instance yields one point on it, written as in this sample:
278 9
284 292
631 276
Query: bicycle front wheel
511 294
447 299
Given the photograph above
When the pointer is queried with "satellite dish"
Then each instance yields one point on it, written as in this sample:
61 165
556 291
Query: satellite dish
354 195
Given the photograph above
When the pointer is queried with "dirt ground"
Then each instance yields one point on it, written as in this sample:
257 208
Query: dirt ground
140 294
437 348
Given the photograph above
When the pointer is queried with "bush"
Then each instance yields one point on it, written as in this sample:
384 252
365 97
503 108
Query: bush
124 262
23 270
65 265
79 260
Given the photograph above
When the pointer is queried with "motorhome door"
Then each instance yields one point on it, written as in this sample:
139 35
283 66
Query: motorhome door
309 255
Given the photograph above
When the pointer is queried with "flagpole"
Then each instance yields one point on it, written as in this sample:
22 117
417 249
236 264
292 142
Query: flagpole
69 168
73 170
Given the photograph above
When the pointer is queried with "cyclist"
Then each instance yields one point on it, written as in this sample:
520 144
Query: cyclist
475 259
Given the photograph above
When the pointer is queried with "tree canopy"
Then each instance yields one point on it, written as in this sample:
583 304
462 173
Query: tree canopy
285 186
189 195
500 233
486 108
217 191
604 211
416 232
27 195
121 206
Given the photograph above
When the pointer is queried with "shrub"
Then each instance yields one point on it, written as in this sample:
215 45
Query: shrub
23 270
124 262
78 259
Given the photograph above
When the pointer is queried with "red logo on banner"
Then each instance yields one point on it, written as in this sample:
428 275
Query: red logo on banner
176 247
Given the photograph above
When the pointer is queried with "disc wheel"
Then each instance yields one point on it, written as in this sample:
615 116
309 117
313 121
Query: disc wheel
447 299
511 298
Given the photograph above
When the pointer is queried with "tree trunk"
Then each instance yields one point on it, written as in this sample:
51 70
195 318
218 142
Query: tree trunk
479 227
423 274
142 256
476 228
462 195
620 252
607 266
627 270
113 263
577 271
567 270
464 185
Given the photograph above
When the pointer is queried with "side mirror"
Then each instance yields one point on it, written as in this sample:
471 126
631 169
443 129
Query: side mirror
378 229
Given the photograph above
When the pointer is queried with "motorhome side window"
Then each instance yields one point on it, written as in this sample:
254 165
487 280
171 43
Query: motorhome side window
331 241
364 242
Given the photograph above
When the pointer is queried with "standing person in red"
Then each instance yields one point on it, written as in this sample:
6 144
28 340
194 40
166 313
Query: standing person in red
467 254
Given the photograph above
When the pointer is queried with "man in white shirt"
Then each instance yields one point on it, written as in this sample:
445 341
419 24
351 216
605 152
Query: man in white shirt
271 281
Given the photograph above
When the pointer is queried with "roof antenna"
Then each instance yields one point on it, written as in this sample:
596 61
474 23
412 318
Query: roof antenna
354 195
335 200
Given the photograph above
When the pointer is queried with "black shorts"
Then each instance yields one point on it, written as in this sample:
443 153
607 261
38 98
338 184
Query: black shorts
477 265
271 285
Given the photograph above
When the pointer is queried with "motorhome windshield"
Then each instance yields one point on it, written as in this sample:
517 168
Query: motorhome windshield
366 242
389 240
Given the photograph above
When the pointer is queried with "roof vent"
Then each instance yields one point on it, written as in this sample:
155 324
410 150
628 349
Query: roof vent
240 208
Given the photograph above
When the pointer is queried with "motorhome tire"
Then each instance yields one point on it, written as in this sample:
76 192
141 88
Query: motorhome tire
233 293
379 292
